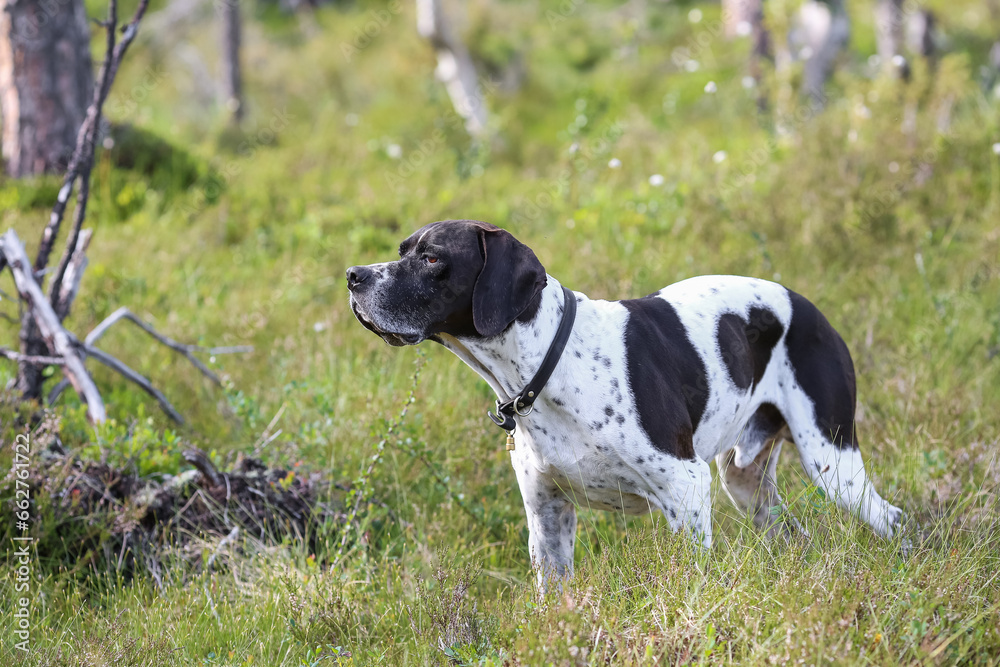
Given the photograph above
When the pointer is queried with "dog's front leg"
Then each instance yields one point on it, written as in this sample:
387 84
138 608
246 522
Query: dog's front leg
551 525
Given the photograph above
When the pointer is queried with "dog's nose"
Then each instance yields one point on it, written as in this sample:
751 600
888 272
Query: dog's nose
356 275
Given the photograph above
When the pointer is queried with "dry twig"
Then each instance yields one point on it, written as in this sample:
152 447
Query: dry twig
83 155
133 376
41 323
17 356
200 460
49 326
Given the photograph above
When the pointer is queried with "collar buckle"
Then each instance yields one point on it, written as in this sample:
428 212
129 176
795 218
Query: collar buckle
522 405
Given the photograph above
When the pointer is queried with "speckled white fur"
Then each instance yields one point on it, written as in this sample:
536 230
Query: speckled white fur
583 443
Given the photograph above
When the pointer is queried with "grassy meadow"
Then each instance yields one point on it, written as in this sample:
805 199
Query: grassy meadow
614 158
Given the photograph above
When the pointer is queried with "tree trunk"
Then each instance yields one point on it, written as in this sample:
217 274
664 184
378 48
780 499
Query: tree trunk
889 25
46 82
819 66
920 33
739 17
455 67
231 77
761 51
745 18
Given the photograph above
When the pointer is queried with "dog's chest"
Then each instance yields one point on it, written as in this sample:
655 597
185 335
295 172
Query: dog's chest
596 478
584 435
591 454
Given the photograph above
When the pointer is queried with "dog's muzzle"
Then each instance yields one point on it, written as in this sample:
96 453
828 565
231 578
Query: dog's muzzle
358 279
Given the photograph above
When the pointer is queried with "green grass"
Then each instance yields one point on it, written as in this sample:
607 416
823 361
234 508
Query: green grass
241 237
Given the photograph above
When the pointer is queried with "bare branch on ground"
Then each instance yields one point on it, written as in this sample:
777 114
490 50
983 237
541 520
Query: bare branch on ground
50 327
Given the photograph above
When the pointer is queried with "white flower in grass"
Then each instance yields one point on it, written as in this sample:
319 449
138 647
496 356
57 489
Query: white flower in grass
719 157
395 151
748 82
710 87
691 66
614 163
694 16
656 180
996 148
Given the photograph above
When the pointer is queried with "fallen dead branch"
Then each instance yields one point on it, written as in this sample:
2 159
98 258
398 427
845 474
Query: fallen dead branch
49 326
43 339
124 313
200 460
186 350
69 353
17 356
132 376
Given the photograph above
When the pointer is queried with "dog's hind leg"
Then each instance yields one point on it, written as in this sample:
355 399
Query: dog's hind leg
833 461
752 489
818 401
747 472
840 472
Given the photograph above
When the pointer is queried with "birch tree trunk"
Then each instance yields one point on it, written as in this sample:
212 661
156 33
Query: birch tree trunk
819 66
738 16
455 67
46 80
889 30
745 18
232 82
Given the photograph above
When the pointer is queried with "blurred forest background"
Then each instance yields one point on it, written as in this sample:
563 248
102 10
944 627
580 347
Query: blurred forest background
304 495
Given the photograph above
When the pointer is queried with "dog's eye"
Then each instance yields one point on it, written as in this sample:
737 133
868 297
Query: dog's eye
431 260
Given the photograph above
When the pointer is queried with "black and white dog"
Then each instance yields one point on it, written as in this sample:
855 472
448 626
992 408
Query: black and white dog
646 392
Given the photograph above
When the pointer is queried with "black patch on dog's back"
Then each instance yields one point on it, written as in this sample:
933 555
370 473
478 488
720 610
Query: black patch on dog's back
764 330
666 374
735 349
746 345
823 368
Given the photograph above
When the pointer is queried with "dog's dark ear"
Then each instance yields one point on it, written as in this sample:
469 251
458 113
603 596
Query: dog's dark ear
510 280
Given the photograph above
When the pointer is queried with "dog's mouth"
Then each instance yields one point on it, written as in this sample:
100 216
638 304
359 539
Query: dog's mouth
394 339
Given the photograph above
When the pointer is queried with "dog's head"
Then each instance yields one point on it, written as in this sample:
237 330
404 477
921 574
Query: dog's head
459 277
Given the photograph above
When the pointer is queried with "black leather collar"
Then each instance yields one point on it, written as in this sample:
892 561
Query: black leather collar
522 402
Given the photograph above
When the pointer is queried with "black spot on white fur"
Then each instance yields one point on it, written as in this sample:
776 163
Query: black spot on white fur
673 395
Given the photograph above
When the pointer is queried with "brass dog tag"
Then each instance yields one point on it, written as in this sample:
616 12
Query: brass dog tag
510 442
